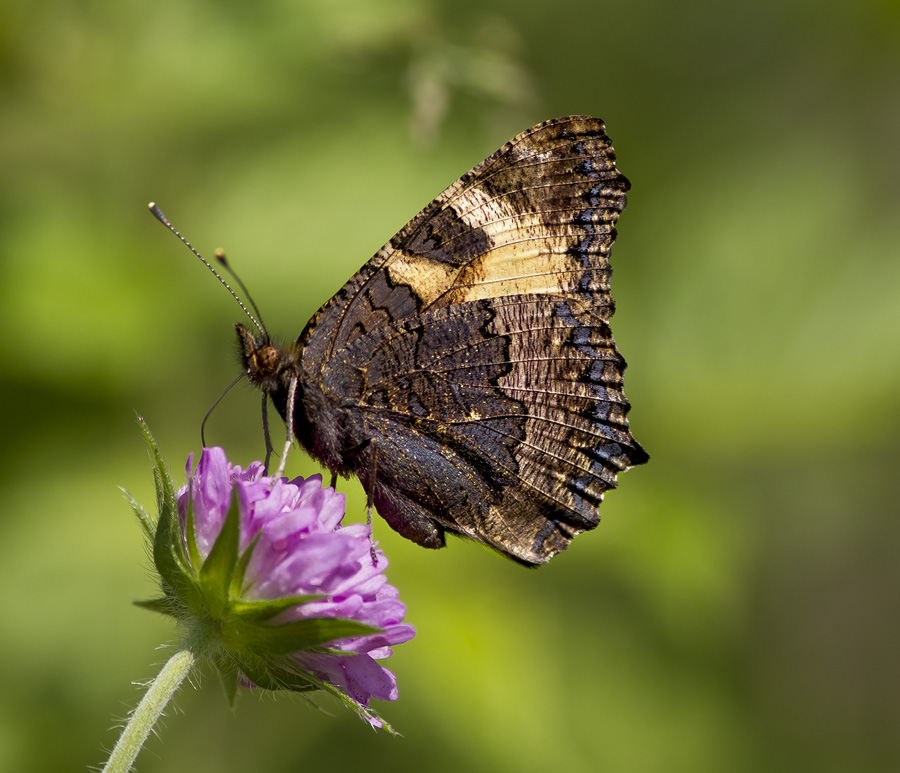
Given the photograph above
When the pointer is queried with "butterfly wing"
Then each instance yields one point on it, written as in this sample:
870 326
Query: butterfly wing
538 216
472 355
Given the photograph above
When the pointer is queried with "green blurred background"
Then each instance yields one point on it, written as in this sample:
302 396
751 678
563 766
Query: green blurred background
736 610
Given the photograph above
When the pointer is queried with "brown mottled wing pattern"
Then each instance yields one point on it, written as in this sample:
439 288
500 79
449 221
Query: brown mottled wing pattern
473 355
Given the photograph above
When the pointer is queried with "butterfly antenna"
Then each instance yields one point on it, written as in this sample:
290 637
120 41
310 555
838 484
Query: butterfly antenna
158 214
214 406
220 257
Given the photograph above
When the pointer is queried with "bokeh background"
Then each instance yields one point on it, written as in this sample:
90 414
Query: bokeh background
738 607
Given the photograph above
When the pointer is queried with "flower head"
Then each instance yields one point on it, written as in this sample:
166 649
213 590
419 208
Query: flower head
280 594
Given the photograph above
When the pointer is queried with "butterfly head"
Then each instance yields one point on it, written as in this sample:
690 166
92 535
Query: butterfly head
263 363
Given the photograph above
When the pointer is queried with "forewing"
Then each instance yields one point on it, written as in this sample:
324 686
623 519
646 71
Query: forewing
536 217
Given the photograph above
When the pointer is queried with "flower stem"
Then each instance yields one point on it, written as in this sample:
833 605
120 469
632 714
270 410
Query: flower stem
150 709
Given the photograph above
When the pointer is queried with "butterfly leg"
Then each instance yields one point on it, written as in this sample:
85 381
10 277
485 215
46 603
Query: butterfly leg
266 435
372 464
370 498
368 484
289 423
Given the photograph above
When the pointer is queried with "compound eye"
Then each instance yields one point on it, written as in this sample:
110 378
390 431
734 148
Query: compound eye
267 360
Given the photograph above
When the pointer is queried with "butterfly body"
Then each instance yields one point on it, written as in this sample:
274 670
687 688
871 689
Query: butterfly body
467 373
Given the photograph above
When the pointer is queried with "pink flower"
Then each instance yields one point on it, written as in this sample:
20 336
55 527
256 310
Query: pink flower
293 599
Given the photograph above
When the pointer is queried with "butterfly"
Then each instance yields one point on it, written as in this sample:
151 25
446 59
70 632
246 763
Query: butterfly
467 374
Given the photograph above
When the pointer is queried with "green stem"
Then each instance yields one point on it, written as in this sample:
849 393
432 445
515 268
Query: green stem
150 709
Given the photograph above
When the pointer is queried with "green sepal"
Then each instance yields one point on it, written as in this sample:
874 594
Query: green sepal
193 552
228 675
299 635
148 522
362 711
176 573
163 606
273 676
269 676
168 550
263 610
240 570
218 569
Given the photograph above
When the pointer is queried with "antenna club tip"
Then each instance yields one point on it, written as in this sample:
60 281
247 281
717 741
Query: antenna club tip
220 256
157 213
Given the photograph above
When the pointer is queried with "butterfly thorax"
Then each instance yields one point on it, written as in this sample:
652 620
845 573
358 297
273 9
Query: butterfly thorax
316 420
